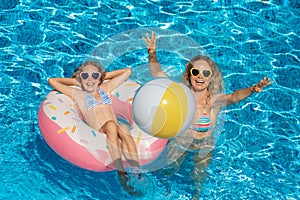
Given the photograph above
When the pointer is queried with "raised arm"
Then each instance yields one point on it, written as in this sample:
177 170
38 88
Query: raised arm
63 85
239 95
115 78
154 66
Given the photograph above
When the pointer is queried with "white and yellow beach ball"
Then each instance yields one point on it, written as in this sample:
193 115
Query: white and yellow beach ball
163 108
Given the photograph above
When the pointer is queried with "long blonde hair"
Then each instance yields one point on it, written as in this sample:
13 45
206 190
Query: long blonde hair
216 85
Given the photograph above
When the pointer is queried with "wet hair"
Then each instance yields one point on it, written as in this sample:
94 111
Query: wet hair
78 70
216 85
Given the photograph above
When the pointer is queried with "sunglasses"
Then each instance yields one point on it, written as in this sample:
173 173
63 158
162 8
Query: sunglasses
85 75
206 72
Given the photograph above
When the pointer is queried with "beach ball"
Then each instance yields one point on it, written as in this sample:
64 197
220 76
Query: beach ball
163 108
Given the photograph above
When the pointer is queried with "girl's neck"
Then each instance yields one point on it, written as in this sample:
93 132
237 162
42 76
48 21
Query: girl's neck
93 93
200 95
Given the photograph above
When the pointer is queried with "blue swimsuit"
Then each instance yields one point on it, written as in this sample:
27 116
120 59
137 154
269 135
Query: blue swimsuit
91 102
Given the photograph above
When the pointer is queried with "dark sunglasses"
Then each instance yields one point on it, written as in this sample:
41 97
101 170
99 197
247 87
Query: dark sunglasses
206 72
85 75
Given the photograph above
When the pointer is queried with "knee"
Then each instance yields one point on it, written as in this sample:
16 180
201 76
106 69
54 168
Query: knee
111 129
124 129
111 125
124 132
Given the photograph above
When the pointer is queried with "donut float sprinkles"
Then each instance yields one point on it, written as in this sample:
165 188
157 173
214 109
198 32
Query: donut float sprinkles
64 130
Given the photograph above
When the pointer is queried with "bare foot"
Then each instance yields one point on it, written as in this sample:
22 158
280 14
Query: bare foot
123 178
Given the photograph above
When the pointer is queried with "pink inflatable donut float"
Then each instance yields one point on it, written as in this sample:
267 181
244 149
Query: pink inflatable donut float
70 137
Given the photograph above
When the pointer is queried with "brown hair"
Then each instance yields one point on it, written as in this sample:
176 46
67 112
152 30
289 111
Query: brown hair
216 85
78 70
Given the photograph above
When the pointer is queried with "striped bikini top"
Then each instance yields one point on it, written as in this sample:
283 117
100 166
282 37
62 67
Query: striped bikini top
203 123
91 102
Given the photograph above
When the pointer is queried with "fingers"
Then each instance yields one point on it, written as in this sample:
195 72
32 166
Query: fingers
148 39
262 83
153 37
266 81
151 42
145 40
269 83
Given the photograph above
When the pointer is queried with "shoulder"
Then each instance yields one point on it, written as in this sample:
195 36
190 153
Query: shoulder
218 100
78 94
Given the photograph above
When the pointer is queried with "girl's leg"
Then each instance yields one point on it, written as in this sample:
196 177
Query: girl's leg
128 146
111 129
113 143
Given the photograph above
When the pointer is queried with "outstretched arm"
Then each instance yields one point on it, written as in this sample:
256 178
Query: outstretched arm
63 85
239 95
154 66
115 78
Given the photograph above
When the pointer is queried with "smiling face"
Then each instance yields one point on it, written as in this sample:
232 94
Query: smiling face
200 82
213 84
89 83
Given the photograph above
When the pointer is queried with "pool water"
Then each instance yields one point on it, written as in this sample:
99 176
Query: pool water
257 154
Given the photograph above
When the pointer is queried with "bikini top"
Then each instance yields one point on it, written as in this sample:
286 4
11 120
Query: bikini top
91 102
203 123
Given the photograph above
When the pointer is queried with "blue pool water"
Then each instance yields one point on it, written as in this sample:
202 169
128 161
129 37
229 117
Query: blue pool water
257 155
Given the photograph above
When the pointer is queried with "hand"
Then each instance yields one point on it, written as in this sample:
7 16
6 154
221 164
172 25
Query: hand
78 83
151 43
262 83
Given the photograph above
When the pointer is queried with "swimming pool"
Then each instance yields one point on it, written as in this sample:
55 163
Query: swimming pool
257 154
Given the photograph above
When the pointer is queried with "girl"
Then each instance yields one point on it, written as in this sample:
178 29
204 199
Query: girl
95 104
